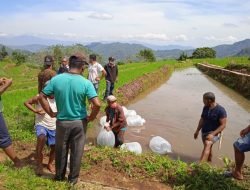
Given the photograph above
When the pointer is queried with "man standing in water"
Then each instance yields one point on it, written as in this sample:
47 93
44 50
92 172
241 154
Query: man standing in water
212 123
72 118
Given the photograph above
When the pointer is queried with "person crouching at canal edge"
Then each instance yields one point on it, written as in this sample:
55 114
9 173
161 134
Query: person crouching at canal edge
116 119
5 140
212 123
44 124
111 77
71 91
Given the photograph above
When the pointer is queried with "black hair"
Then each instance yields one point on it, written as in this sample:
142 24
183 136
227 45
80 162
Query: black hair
92 56
209 96
75 62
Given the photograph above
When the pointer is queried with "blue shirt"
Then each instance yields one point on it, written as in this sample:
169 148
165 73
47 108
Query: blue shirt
211 118
70 92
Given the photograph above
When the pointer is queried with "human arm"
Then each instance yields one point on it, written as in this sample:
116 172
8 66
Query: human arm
45 104
95 109
200 125
32 101
245 131
5 84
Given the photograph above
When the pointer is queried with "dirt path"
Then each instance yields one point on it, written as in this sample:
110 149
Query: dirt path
95 178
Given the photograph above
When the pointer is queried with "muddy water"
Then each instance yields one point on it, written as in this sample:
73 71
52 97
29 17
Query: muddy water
172 111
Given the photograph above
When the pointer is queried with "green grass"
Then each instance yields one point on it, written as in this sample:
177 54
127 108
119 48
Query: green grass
21 121
223 62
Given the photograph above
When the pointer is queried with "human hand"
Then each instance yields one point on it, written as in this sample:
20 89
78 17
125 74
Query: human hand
40 111
97 79
196 134
210 137
244 132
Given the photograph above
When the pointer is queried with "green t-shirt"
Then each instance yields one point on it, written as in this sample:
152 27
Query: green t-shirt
70 92
1 105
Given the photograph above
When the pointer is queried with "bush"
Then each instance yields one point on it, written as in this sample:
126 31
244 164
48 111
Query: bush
204 52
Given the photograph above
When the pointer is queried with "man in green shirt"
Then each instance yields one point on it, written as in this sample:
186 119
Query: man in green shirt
5 140
70 91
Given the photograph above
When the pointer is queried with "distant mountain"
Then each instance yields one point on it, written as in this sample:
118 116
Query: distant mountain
244 52
231 50
120 51
10 50
32 48
27 40
168 47
171 54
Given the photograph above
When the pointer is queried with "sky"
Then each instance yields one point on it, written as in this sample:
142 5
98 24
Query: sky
160 22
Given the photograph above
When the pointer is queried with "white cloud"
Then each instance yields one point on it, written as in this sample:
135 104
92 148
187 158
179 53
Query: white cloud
230 25
69 35
101 16
3 34
221 39
181 37
148 36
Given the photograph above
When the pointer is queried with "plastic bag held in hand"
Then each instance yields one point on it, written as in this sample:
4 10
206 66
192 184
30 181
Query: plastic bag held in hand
159 145
106 138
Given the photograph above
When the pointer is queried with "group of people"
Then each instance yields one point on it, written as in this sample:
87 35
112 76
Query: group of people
61 114
62 117
212 123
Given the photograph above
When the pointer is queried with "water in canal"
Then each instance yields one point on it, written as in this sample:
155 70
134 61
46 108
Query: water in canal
173 110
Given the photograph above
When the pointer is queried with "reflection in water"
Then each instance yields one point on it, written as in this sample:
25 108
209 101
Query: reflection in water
172 111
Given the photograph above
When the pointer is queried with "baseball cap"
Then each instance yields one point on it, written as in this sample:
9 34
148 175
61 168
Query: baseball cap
111 59
48 60
111 98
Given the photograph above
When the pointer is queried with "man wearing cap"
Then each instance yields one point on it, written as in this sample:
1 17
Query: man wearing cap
111 76
116 119
212 123
95 69
48 64
64 67
72 115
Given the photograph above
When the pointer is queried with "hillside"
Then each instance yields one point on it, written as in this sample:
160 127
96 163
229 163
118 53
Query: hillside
121 51
231 50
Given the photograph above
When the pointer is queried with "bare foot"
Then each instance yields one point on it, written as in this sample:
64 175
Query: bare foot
237 175
17 164
51 168
39 170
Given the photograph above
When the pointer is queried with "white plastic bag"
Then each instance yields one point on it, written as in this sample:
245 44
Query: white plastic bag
106 138
135 121
159 145
103 121
132 147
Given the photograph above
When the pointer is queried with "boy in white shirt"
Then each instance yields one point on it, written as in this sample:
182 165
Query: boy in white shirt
45 126
95 69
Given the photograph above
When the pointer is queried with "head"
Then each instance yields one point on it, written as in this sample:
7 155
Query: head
111 101
48 62
208 98
64 61
44 77
77 63
112 60
92 58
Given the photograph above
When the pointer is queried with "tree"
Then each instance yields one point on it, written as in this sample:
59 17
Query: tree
147 55
204 52
3 52
183 57
58 55
18 58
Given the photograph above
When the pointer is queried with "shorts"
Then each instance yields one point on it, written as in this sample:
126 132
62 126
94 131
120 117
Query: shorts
49 134
243 143
5 140
215 138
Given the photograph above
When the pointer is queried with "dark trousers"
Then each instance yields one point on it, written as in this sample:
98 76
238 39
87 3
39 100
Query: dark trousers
69 135
5 140
119 137
109 88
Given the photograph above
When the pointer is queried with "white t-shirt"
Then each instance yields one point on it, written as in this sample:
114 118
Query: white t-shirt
94 71
45 120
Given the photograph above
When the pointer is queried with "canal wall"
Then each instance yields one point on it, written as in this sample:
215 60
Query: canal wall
238 81
131 90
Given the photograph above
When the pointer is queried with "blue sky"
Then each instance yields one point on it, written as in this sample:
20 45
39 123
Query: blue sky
163 22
